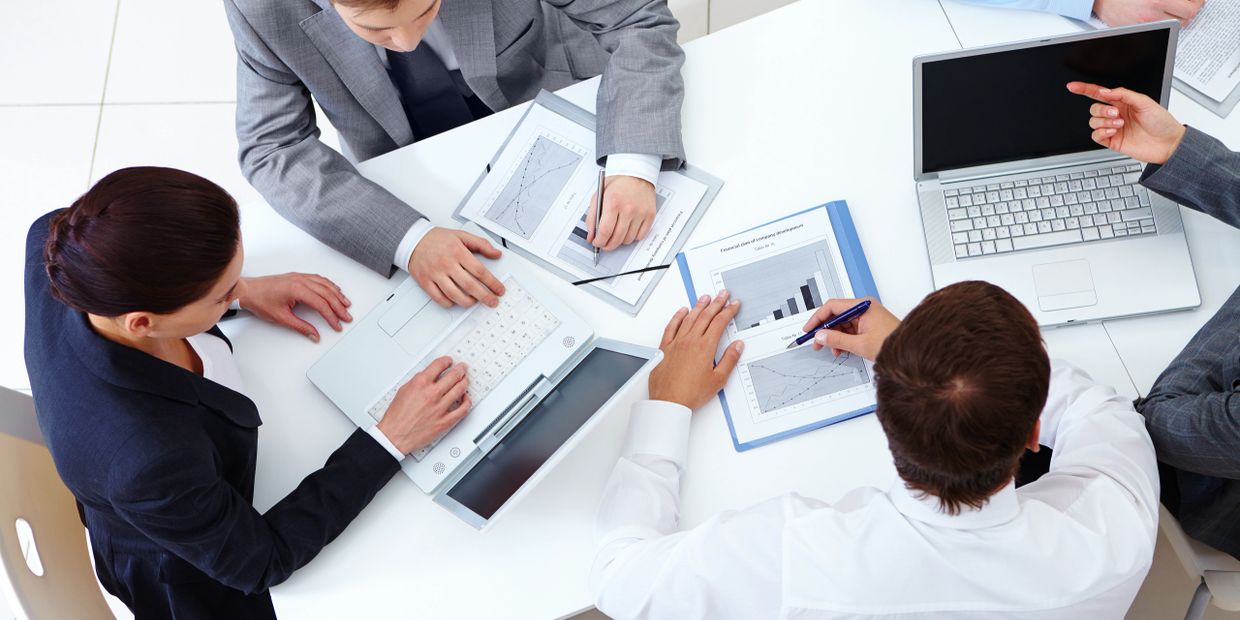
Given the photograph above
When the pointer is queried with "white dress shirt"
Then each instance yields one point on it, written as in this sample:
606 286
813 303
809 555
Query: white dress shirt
1076 543
219 365
638 165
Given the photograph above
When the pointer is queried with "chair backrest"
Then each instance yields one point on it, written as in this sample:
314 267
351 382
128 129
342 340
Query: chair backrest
1196 556
33 499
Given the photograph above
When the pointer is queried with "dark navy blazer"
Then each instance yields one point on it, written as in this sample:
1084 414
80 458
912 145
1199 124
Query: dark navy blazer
162 462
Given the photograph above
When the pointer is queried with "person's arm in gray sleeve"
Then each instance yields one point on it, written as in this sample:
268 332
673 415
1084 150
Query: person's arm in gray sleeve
1201 174
306 181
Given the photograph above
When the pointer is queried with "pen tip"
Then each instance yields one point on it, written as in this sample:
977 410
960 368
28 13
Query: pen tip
792 345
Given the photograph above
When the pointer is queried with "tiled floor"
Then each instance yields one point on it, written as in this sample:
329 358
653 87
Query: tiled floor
152 82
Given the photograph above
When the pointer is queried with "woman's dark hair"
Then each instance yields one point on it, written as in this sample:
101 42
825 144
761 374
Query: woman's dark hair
142 239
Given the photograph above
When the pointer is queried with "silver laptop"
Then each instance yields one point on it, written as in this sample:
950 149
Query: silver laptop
1013 191
537 375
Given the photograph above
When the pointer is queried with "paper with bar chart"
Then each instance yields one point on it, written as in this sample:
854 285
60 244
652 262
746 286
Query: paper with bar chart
537 195
781 272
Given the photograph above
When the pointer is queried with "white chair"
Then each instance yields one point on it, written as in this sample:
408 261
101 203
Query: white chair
45 567
1219 573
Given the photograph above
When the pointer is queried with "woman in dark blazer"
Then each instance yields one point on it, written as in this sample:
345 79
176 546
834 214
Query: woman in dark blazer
143 409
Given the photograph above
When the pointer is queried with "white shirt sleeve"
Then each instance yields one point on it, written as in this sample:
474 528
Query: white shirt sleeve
1076 9
410 242
385 442
635 165
1096 435
645 567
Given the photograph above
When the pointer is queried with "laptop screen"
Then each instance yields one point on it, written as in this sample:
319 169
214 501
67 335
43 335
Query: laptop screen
548 426
1012 105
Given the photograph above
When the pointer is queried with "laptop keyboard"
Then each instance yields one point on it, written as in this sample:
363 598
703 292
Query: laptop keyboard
1059 209
491 342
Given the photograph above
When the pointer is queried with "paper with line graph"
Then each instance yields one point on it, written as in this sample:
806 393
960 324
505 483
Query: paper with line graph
781 272
537 196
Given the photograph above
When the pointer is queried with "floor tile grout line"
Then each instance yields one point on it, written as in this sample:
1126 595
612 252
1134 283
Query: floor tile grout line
7 106
94 150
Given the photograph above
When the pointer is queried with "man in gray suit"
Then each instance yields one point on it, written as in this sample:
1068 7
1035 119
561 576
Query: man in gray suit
1193 410
389 72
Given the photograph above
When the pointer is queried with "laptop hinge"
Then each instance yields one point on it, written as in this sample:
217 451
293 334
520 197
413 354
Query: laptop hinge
975 175
514 414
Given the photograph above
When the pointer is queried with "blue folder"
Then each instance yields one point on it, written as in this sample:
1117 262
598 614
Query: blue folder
863 285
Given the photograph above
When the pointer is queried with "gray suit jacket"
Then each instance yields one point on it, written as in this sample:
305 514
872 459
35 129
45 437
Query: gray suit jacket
291 50
1193 410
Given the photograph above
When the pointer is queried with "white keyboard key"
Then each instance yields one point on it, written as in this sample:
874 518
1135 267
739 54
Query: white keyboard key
1137 214
988 247
1045 240
1003 245
1090 234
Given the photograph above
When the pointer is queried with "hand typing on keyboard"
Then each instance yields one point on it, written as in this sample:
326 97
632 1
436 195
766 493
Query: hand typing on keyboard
426 406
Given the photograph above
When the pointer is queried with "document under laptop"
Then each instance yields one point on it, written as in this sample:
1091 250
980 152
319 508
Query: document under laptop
537 375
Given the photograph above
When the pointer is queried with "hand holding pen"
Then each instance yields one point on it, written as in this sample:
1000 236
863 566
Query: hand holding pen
862 334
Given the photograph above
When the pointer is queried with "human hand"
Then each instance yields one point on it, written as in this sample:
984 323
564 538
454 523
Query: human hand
862 336
272 299
426 406
688 375
444 265
1130 123
1128 12
628 212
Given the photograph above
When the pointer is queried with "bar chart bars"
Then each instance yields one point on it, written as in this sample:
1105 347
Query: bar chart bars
782 285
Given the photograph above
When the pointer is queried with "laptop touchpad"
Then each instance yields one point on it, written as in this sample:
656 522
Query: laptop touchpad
1060 286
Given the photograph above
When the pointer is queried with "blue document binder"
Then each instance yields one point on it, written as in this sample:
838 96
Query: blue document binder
863 285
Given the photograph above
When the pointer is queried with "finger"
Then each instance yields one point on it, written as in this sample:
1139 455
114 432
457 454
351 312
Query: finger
669 332
311 297
332 298
474 287
334 288
721 320
1103 136
484 275
645 230
837 340
1099 110
621 233
1093 91
454 292
709 313
454 393
590 218
1097 123
727 363
1183 10
431 373
479 245
635 227
606 228
694 313
295 323
457 414
828 310
1128 97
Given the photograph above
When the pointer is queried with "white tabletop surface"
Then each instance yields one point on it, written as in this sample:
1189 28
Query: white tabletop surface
804 105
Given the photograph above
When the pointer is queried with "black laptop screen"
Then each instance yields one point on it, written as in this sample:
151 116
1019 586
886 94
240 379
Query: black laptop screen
510 463
1012 105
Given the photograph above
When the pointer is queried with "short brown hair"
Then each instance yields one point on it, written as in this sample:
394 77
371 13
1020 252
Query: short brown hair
961 384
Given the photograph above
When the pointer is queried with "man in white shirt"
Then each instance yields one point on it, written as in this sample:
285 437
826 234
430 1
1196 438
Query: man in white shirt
964 387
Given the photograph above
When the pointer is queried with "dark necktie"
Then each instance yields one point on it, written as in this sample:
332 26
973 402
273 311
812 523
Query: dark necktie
432 99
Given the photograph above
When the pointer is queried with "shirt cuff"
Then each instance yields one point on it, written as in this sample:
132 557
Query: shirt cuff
404 251
638 165
385 442
658 429
1076 9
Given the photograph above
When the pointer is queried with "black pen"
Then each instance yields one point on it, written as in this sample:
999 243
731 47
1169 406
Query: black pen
598 210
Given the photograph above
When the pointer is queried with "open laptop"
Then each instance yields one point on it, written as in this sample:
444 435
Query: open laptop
537 375
1013 191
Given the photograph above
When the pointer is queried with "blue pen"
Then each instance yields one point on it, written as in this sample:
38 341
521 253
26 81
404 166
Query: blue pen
836 321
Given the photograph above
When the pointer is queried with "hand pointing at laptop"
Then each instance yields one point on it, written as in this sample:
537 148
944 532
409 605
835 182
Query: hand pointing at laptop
1131 123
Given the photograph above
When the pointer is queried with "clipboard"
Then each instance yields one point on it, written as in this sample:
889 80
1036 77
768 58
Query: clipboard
863 285
574 113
